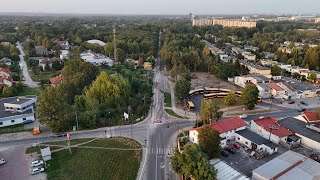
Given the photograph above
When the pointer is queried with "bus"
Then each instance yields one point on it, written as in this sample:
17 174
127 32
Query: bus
195 92
215 95
190 106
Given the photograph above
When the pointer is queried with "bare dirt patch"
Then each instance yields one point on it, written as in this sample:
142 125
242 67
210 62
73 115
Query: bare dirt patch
209 80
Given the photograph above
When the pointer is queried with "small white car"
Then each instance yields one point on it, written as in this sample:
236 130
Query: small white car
2 161
36 163
243 116
37 170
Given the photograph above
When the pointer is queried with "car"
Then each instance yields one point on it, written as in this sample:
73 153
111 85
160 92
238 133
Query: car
225 153
37 170
235 145
2 161
243 116
304 103
36 163
261 117
291 102
27 122
301 109
231 150
60 135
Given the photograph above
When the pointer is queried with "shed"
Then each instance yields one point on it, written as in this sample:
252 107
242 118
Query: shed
46 154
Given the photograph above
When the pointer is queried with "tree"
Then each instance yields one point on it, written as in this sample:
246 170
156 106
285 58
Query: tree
276 70
182 88
230 100
209 111
312 77
295 75
6 92
209 141
250 96
53 109
193 163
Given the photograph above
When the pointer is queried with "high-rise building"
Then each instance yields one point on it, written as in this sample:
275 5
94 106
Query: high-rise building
222 22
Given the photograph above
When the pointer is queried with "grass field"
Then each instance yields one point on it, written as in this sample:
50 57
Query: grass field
172 113
29 91
167 100
90 163
13 129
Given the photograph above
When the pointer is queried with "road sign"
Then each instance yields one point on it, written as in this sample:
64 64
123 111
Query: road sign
68 136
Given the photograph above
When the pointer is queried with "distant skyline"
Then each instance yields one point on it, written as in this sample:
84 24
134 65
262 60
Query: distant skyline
162 7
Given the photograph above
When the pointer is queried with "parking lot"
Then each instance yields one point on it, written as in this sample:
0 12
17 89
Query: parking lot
17 166
242 162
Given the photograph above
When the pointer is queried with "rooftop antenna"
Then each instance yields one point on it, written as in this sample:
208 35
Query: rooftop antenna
115 43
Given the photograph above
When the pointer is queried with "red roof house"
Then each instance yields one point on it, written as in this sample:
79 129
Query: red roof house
56 80
311 117
5 77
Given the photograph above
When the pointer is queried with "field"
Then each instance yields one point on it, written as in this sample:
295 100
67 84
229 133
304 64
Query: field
172 113
167 100
209 80
29 91
94 161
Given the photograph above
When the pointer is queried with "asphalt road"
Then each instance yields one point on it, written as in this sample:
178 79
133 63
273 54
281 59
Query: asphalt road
27 79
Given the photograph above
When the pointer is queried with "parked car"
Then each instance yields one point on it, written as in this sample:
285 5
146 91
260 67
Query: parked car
60 135
235 145
225 153
301 109
291 102
243 116
2 161
37 170
231 150
304 103
36 163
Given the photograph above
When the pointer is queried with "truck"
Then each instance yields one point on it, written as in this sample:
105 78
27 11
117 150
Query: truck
36 131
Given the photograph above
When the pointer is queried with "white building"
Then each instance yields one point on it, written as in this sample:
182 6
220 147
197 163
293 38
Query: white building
242 81
268 128
226 128
249 56
64 54
96 41
96 59
17 110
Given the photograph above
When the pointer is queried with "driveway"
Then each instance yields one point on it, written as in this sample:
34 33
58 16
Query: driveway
27 79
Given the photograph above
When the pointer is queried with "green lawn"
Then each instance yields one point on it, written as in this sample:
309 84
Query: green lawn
92 164
29 91
220 102
37 75
13 129
167 100
172 113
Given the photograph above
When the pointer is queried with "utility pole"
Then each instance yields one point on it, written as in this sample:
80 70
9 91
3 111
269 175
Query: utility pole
77 120
114 44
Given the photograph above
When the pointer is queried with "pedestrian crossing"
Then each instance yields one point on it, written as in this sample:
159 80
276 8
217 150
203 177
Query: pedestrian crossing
166 151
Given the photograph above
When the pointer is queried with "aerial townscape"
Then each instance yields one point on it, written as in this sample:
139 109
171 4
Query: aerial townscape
141 90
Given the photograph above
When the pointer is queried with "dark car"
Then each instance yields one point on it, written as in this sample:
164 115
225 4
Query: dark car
304 103
225 153
231 150
300 109
60 135
291 102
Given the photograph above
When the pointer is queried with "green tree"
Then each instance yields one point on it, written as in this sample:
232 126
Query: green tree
295 75
312 77
193 163
53 109
209 111
276 70
230 100
209 141
250 96
6 92
182 88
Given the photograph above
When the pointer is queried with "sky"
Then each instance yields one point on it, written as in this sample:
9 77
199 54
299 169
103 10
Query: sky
156 7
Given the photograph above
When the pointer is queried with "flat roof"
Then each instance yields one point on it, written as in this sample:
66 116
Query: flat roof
299 127
19 100
4 114
300 86
289 165
256 138
264 86
226 172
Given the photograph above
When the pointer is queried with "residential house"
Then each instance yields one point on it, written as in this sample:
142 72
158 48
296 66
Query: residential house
242 81
251 48
267 62
289 91
41 50
276 90
259 70
45 63
264 90
255 142
6 61
64 45
268 128
310 117
5 77
55 81
17 110
289 165
249 56
64 55
226 128
308 132
303 90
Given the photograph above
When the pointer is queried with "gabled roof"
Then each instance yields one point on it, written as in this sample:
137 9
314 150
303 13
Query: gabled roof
226 125
56 80
275 86
289 86
6 70
311 116
270 124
